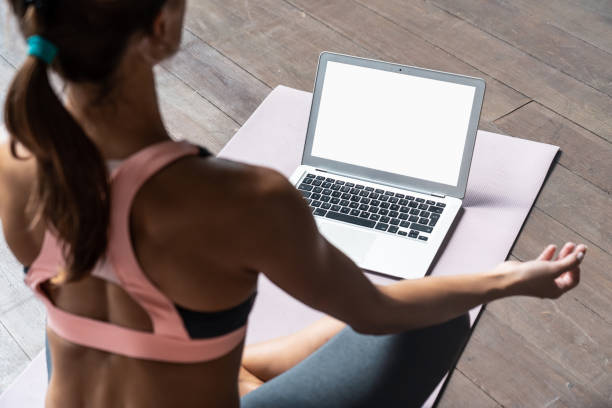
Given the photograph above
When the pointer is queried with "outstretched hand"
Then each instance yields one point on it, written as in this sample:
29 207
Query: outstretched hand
547 276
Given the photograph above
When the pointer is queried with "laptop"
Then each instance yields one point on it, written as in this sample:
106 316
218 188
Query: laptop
386 159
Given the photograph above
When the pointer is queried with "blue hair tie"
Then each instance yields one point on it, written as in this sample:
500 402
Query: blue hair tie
42 48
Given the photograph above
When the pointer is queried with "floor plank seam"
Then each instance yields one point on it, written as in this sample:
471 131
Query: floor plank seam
478 385
517 48
512 111
7 61
228 58
202 96
18 304
416 34
15 340
601 190
593 311
581 39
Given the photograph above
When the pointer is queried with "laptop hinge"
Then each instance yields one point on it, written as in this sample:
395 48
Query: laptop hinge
370 181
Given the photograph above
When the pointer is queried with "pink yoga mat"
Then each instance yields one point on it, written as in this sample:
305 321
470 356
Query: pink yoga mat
506 176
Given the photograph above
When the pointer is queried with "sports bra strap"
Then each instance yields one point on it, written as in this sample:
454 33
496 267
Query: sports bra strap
126 181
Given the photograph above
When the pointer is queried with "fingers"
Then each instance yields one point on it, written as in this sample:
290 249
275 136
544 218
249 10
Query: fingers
548 253
567 249
569 259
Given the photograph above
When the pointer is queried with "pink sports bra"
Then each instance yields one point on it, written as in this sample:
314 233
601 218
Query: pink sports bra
174 328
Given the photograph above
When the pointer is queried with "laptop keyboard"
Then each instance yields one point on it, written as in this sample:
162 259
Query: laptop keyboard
370 207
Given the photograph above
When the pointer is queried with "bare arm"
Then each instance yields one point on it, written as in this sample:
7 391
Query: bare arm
292 253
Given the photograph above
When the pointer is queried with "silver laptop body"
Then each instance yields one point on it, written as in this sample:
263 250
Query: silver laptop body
386 159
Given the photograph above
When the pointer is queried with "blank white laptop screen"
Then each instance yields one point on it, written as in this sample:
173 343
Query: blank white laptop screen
393 122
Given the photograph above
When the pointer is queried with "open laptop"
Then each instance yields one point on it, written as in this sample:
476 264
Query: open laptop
386 159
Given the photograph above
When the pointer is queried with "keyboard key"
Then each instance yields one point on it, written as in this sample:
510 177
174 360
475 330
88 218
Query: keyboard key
403 216
364 194
374 196
413 204
375 203
344 203
340 182
409 197
394 221
393 214
423 238
402 233
405 224
320 178
395 207
355 198
437 210
346 196
335 208
385 205
392 229
383 211
336 194
317 183
354 205
364 207
307 181
403 201
425 214
379 191
305 187
424 221
310 175
389 193
434 216
430 202
415 211
308 201
364 214
330 180
350 219
336 187
422 228
385 219
441 205
374 217
398 195
383 198
432 223
354 190
365 201
316 203
306 194
419 200
325 199
355 212
317 189
327 184
382 227
345 210
413 234
327 191
359 186
345 189
335 200
423 206
393 200
373 209
326 206
320 212
369 189
316 196
413 218
404 209
350 184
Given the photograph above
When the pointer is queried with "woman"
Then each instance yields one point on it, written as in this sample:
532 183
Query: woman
146 252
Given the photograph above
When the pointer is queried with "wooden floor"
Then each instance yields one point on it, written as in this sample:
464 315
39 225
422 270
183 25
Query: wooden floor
548 67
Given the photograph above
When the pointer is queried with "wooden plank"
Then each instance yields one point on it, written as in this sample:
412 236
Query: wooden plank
563 94
216 78
12 359
189 116
26 324
461 392
582 152
527 31
590 27
271 39
12 44
579 205
391 42
517 374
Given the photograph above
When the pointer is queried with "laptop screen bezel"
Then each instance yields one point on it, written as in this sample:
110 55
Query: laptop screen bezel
383 177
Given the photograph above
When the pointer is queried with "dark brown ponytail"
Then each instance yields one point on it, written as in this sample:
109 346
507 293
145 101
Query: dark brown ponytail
72 194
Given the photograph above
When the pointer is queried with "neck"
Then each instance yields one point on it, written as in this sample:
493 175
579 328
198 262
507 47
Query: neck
126 119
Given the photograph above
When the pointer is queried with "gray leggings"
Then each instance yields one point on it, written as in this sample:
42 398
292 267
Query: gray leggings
356 370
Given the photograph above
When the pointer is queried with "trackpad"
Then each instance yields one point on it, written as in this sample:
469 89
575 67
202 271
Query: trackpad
356 244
